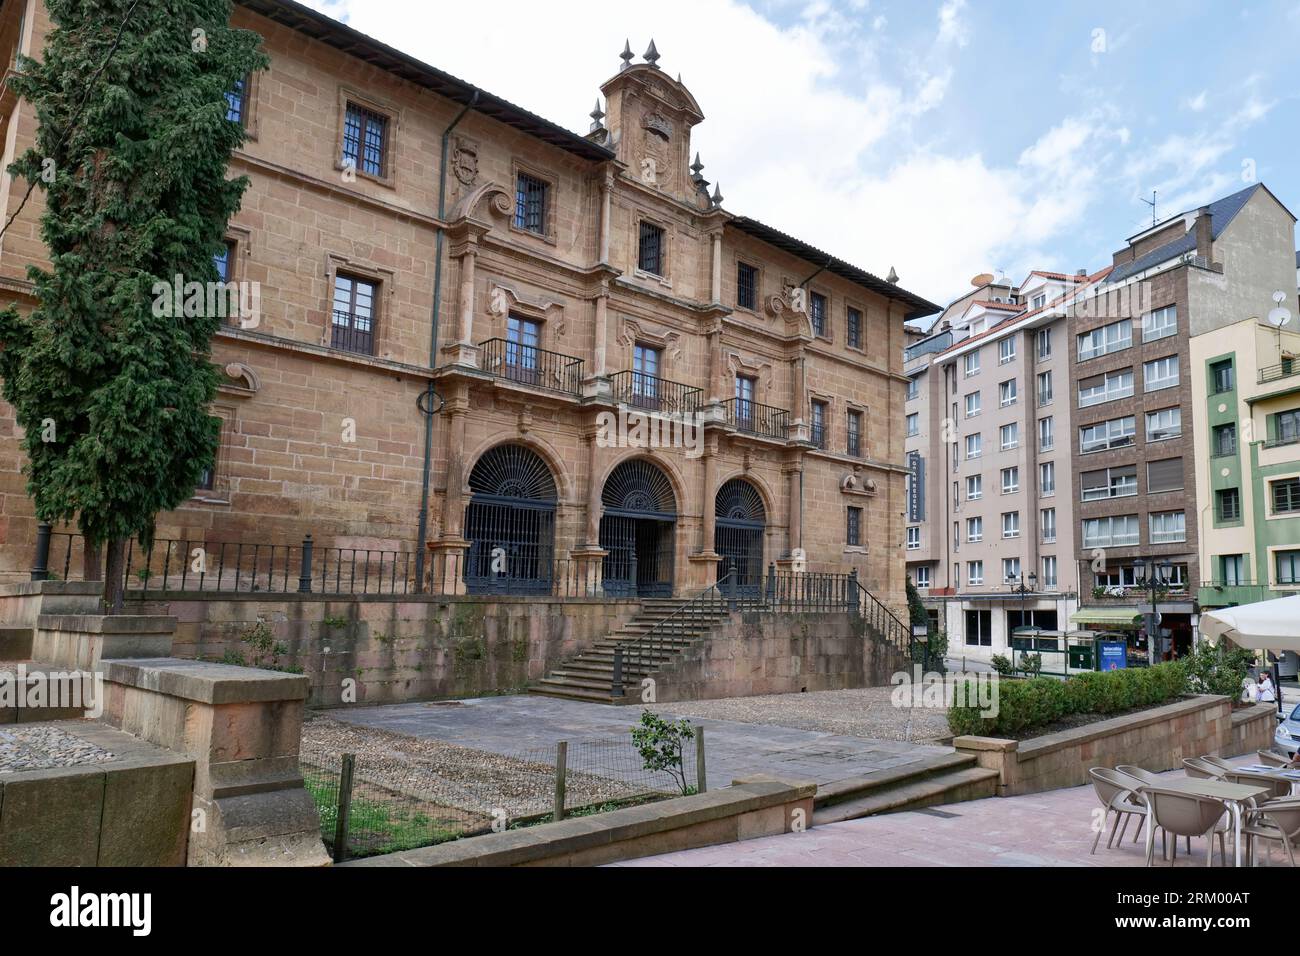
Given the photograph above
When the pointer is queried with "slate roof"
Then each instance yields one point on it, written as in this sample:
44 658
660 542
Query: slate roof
1222 212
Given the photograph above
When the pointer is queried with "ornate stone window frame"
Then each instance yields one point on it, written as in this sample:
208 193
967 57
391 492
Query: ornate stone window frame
348 94
384 280
548 233
666 254
668 342
504 301
737 258
760 371
864 439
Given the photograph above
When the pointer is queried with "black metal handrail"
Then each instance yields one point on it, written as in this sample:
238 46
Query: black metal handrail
755 419
348 337
882 619
643 390
1271 373
529 365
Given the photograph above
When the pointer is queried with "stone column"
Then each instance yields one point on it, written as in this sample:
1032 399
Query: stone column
704 561
716 393
798 398
466 296
451 546
589 555
606 192
602 330
717 266
464 248
794 506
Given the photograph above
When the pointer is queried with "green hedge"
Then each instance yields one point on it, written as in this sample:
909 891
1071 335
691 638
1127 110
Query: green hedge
1026 704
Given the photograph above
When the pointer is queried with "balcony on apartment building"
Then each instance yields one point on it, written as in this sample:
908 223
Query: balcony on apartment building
531 366
647 392
751 418
1284 369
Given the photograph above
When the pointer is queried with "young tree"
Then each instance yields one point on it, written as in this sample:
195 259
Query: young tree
110 383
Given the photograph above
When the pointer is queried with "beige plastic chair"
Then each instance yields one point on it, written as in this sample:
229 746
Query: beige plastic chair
1199 769
1187 815
1118 794
1272 759
1154 780
1277 788
1219 762
1277 822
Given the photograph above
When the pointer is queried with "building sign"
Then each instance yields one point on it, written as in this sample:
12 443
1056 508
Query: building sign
915 486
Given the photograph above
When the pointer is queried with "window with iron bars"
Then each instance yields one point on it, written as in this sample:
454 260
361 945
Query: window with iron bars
650 251
853 332
746 286
853 529
854 443
365 140
530 203
817 313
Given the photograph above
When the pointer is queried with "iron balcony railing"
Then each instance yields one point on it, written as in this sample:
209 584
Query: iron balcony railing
353 333
529 365
1271 373
643 390
755 419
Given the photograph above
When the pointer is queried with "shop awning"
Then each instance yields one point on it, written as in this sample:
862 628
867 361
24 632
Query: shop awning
1108 616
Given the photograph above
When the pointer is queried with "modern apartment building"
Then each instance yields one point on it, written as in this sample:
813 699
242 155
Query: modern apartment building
455 293
1147 491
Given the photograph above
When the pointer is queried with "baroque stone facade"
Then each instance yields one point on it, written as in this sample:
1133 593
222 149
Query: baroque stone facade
545 279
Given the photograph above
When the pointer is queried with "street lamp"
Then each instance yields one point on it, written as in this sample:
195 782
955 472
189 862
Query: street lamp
1016 582
1157 580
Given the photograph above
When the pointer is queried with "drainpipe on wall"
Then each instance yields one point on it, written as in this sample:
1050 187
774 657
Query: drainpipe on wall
426 400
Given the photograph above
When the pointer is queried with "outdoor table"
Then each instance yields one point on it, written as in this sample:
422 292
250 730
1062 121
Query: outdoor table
1277 773
1234 794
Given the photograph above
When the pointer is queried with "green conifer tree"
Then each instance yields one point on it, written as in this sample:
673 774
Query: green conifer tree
111 385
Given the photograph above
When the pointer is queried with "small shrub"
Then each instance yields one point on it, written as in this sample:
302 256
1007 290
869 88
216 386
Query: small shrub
660 744
1002 664
1031 664
1218 668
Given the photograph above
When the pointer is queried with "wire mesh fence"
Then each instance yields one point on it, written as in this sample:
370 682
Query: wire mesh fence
379 792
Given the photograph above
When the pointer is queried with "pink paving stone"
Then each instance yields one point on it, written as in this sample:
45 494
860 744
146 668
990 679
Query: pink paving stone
1041 829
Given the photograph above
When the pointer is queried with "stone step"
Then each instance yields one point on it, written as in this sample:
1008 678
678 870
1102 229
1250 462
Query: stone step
851 788
952 786
603 672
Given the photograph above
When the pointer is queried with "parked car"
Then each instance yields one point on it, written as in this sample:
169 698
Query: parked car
1287 736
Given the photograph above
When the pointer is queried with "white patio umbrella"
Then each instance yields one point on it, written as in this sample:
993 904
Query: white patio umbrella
1271 625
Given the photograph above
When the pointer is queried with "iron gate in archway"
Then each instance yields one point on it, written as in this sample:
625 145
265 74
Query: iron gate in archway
740 521
510 523
637 529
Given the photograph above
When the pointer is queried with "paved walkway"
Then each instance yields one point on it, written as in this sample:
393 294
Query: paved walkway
508 725
1042 829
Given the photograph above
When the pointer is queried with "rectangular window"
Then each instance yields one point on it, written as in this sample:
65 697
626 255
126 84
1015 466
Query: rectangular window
973 446
1160 323
1164 475
1114 532
523 337
650 249
974 487
530 204
979 624
1115 433
352 326
1047 521
913 424
923 576
1108 338
1047 479
853 441
913 388
972 363
1006 351
645 376
1007 393
1160 373
913 539
236 101
1168 527
818 429
1038 301
1231 568
1105 388
1221 376
1044 388
223 260
1287 564
1009 436
746 286
1048 579
853 528
817 313
853 328
365 140
1119 482
974 576
1285 495
1010 480
1286 427
974 529
1227 504
1224 440
1166 423
1010 570
1044 344
1046 434
972 404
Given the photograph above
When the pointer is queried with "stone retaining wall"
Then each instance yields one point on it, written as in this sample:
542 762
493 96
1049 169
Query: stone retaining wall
1156 739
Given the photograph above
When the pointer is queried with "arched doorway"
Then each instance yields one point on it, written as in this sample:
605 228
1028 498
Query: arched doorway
740 521
640 516
510 523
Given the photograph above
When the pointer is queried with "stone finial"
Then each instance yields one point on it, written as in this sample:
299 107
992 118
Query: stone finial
651 55
697 167
625 56
892 278
597 115
716 198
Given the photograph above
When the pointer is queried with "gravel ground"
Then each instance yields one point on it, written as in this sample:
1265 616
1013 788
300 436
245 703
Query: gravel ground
446 775
861 712
43 748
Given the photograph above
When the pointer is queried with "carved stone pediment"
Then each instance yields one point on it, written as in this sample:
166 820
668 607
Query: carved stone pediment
665 340
854 483
503 300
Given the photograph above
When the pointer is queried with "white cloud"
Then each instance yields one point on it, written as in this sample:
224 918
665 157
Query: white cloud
952 28
1197 102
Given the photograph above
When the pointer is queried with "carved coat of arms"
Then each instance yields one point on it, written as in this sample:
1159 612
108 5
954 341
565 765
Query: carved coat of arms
464 162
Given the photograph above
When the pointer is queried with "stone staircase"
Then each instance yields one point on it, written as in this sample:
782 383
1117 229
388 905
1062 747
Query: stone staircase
941 779
589 676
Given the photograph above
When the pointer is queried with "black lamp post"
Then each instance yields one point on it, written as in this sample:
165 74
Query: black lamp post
1016 582
1157 580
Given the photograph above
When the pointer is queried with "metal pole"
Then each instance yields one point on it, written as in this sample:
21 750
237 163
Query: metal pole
41 565
304 573
616 681
561 762
344 808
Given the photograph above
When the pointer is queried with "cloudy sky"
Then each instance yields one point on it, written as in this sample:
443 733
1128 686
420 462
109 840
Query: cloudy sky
941 137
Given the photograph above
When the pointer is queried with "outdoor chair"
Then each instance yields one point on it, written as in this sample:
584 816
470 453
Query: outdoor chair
1272 759
1118 794
1219 762
1276 822
1188 815
1154 780
1199 769
1277 788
